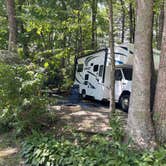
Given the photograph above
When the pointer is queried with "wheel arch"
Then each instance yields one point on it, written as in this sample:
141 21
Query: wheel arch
126 92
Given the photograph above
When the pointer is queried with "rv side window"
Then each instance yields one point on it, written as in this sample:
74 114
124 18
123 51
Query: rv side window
118 75
95 68
86 76
127 74
80 68
101 71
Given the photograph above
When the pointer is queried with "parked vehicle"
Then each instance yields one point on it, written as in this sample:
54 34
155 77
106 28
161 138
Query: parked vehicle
92 74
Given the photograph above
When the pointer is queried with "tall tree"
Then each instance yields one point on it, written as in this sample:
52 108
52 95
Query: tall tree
131 22
79 30
94 24
161 22
123 20
160 97
12 25
21 30
112 69
140 127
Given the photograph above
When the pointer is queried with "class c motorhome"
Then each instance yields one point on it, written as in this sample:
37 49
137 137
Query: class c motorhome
92 74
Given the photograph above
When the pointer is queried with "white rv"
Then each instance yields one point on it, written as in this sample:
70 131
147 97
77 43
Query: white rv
93 74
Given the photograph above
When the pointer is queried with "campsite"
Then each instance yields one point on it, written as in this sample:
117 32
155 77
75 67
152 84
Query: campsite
82 83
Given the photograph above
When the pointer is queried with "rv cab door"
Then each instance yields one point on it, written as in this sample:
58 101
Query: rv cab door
118 84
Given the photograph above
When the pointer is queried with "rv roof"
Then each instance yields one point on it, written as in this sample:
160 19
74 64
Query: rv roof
94 52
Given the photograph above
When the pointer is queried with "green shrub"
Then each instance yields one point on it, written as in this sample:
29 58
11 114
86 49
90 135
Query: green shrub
58 67
21 103
117 130
44 150
39 150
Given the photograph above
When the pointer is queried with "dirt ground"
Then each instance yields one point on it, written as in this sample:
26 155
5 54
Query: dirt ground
10 150
92 116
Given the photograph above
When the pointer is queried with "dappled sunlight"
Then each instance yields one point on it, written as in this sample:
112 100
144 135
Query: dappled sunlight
8 152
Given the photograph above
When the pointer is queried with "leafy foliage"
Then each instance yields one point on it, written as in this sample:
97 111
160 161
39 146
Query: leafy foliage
20 100
46 150
42 150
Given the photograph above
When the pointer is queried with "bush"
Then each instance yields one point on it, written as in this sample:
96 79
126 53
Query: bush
39 150
59 71
21 101
44 150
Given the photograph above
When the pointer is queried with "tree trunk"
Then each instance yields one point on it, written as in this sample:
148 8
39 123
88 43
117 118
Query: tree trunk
94 24
161 23
12 25
160 97
140 127
123 20
153 75
79 30
131 22
134 24
20 25
112 70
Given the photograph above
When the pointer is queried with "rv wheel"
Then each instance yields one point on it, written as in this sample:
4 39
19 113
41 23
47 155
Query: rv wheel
83 94
124 102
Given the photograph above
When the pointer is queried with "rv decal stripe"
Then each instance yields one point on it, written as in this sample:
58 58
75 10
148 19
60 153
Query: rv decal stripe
119 62
81 76
91 73
125 48
89 59
77 80
120 53
91 86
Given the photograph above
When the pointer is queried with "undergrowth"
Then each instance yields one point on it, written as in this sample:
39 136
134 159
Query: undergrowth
97 150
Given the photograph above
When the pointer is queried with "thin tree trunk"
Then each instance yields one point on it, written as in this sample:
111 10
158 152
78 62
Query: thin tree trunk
79 36
123 20
94 24
134 24
22 31
156 19
161 23
131 22
139 125
160 98
112 70
12 25
153 75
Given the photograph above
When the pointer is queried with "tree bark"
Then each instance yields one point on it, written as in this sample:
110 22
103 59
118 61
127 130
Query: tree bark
123 20
94 24
20 26
160 97
112 70
79 30
161 24
139 125
153 74
12 25
131 22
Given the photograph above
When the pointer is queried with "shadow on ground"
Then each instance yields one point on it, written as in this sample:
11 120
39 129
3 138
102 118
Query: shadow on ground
93 116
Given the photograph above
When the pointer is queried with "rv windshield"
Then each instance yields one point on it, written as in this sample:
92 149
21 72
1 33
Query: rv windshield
128 73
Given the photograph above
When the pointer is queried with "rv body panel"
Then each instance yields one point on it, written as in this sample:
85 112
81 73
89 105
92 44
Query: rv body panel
90 74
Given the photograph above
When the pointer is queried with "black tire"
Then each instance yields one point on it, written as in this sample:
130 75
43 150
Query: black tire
83 94
124 102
